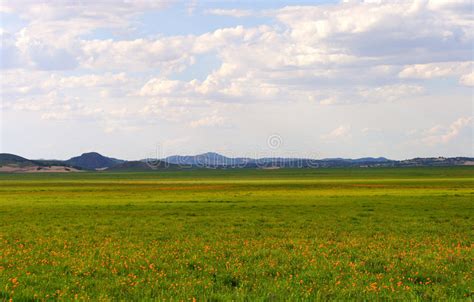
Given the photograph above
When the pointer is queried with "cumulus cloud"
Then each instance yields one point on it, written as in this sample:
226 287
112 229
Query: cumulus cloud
238 13
321 46
318 44
165 110
167 54
10 55
161 86
390 92
49 20
343 131
441 135
208 121
467 79
55 106
18 83
353 52
90 80
463 70
392 32
52 35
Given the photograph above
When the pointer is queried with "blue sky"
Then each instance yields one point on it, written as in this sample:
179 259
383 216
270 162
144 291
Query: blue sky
328 78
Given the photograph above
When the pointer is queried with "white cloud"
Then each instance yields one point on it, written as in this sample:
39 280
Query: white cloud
467 79
434 70
50 19
442 135
209 121
162 109
343 131
167 54
4 8
319 44
45 54
90 80
160 86
329 101
10 56
393 31
238 13
390 92
343 56
54 106
17 83
51 38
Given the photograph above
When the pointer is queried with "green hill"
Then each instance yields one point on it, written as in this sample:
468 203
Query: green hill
12 159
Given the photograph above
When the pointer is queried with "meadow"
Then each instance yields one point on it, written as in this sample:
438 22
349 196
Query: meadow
241 234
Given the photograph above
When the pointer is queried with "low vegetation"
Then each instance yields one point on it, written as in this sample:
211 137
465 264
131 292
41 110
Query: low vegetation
242 234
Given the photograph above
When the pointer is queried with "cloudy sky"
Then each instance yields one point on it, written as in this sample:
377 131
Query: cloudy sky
322 78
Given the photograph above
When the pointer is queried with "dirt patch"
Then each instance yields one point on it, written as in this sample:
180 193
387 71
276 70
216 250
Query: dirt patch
37 169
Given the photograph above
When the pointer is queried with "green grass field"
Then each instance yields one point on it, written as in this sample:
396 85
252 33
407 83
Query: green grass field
296 234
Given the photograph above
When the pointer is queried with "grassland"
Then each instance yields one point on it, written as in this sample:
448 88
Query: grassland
238 234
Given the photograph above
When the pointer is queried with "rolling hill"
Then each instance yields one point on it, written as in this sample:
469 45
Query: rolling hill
14 163
209 159
12 159
93 161
142 166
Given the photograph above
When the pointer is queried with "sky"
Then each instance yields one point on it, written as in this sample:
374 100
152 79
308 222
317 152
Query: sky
316 79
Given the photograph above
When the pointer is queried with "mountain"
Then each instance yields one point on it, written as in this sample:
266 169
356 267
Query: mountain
96 161
142 166
281 162
358 160
209 159
12 159
436 162
93 161
373 159
15 163
214 160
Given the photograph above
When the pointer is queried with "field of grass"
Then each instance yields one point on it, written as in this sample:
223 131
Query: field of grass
290 234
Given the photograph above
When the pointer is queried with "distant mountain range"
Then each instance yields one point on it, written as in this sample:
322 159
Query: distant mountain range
216 160
210 159
94 161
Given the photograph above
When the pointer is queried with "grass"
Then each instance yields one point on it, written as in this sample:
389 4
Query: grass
290 234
